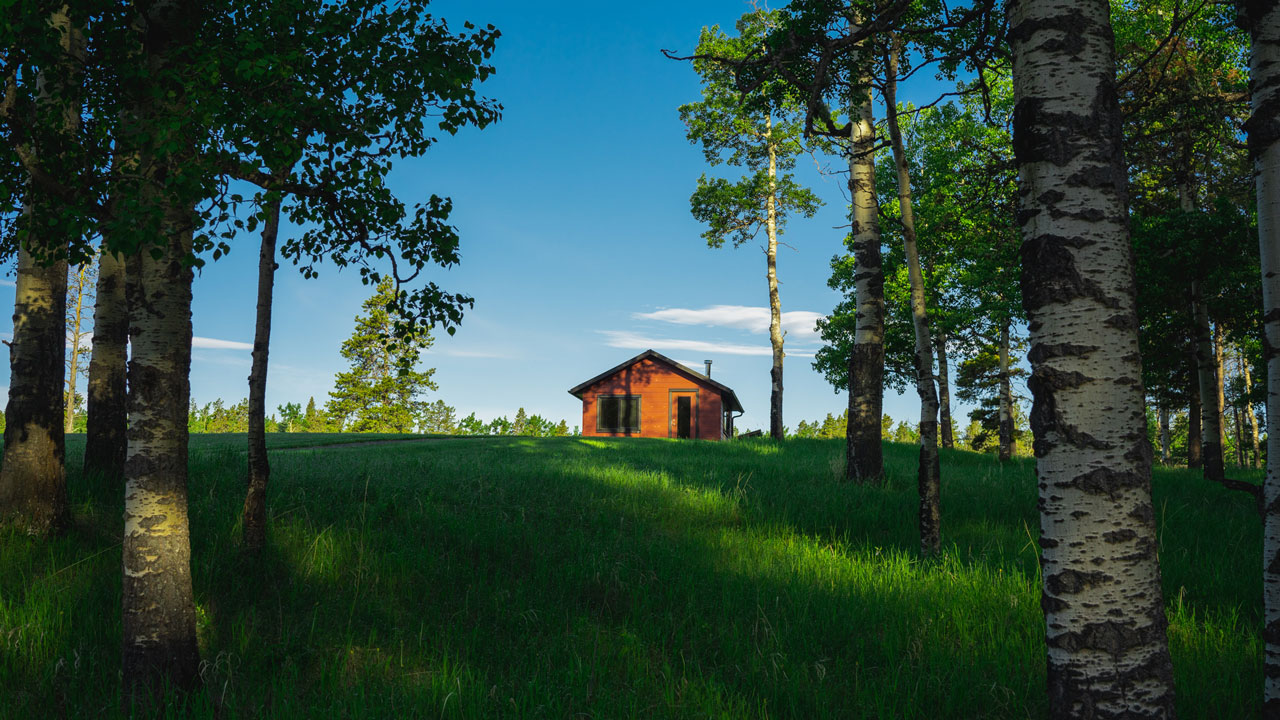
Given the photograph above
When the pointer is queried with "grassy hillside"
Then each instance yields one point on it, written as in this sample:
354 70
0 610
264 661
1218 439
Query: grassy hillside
572 577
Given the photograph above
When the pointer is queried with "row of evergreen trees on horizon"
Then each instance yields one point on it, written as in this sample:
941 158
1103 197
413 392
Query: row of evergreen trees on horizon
435 418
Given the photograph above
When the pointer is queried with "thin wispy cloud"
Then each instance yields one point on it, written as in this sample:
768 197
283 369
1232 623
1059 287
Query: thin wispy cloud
8 283
740 317
636 341
205 343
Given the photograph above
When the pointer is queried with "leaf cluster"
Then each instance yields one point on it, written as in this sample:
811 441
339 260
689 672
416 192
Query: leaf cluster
310 101
757 131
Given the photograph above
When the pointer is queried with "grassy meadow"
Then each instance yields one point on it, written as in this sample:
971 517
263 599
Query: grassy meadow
583 578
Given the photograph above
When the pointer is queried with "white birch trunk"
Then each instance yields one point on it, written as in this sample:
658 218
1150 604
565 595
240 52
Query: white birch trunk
864 453
1105 625
159 648
775 304
1262 19
158 601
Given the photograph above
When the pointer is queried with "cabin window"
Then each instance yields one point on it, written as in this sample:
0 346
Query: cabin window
618 413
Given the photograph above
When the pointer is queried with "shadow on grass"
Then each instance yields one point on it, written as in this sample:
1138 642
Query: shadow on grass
565 578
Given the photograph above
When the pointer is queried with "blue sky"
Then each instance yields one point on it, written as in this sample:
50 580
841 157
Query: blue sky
577 241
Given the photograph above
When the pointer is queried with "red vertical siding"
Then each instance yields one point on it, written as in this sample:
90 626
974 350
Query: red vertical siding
656 384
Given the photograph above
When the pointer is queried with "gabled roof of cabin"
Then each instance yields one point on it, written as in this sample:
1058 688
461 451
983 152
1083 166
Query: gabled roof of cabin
730 397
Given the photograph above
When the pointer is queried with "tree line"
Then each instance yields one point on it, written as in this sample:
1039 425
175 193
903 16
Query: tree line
1095 197
437 419
976 436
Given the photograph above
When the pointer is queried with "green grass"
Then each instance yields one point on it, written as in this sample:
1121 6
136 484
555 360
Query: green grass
572 577
217 442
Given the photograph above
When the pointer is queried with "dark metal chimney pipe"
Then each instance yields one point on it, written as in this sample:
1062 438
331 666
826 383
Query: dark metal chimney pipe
708 362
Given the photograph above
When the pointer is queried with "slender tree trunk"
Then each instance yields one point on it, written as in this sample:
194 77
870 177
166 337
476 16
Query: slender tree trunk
1219 382
1262 20
33 478
1239 437
1248 411
864 459
1186 201
73 365
1211 411
1163 414
1006 398
775 305
107 417
158 608
254 516
1237 416
1195 433
929 472
944 391
1108 653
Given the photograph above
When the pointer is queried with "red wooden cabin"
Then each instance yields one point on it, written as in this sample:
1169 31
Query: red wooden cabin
652 395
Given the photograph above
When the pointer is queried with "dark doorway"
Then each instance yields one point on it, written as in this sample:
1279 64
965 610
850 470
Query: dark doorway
684 415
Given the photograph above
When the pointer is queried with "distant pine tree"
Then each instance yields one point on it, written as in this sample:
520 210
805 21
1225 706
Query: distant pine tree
380 392
313 419
834 427
520 425
440 418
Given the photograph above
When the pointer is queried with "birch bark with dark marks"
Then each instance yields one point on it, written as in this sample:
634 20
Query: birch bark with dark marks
159 649
928 471
158 604
1262 19
864 452
776 429
1105 626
